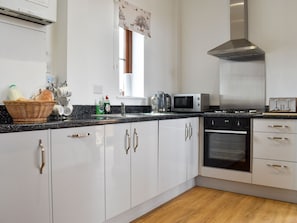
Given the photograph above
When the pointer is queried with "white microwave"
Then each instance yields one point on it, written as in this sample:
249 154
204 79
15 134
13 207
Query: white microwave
190 102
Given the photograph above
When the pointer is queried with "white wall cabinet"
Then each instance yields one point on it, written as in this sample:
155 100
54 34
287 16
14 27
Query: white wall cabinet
131 156
178 152
78 174
275 153
25 182
44 9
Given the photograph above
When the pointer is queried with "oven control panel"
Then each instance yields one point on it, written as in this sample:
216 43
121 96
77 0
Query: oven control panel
227 123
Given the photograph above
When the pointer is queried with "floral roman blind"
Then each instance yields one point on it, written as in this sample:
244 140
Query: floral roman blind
134 19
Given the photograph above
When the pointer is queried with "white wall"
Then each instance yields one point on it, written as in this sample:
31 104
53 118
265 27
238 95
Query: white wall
22 56
272 25
205 25
88 57
175 57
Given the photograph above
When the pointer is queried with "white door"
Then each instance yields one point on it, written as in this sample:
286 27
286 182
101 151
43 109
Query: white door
192 148
25 182
117 168
78 174
172 153
144 161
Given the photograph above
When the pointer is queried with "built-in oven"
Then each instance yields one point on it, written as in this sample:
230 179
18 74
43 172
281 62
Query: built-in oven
227 143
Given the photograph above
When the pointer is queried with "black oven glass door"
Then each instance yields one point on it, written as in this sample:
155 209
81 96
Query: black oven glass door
227 149
183 102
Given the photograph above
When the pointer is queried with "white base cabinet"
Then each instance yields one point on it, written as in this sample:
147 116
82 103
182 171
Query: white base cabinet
131 156
178 152
78 175
25 182
275 153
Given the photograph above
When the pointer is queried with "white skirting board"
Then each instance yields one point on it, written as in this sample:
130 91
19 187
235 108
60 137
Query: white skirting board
248 189
144 208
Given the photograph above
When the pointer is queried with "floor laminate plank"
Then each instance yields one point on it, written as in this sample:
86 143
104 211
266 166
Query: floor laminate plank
203 205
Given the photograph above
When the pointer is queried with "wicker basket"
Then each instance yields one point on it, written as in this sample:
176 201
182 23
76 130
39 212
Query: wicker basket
26 112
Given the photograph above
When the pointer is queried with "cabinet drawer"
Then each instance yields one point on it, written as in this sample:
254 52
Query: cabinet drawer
275 125
275 146
274 173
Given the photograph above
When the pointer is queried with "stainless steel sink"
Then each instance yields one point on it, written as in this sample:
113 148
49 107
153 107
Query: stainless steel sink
133 115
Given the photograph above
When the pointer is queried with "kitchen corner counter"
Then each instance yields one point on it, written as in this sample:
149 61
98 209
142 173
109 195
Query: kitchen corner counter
90 120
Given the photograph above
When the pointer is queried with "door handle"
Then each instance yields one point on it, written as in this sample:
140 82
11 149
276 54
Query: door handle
128 141
190 131
186 132
135 140
42 150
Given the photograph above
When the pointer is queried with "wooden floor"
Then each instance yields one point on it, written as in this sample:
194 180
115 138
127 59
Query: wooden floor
200 205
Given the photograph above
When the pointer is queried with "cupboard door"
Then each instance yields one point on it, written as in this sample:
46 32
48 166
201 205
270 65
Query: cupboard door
192 148
117 167
172 153
78 174
24 189
144 161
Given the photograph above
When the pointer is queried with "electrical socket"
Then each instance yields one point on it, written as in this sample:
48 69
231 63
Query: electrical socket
97 89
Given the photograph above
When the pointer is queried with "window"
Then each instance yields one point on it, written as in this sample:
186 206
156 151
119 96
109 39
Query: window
131 63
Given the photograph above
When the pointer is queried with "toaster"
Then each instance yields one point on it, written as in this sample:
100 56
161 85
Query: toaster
282 104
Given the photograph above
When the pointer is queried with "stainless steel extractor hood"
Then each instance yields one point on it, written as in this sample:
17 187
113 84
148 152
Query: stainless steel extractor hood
239 47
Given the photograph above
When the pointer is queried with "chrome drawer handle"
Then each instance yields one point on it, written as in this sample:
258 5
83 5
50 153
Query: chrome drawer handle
278 138
277 166
79 135
278 126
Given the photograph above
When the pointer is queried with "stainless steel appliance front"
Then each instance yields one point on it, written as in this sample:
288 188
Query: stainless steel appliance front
190 102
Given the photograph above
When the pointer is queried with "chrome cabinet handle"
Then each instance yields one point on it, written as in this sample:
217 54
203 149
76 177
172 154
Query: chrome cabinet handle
79 135
186 132
277 166
135 140
190 131
128 141
278 126
278 138
42 150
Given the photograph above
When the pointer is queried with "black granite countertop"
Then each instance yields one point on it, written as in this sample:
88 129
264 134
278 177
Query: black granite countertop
84 116
90 120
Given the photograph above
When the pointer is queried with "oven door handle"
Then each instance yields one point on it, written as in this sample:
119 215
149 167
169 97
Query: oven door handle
226 131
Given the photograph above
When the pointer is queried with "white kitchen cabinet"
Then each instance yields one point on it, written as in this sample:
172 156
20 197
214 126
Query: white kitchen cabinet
43 9
275 173
131 156
25 181
178 152
192 148
275 153
78 174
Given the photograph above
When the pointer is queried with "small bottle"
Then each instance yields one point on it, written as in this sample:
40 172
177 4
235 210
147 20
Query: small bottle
13 93
97 107
100 106
107 109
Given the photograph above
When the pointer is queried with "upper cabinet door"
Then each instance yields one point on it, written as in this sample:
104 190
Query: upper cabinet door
43 9
25 177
